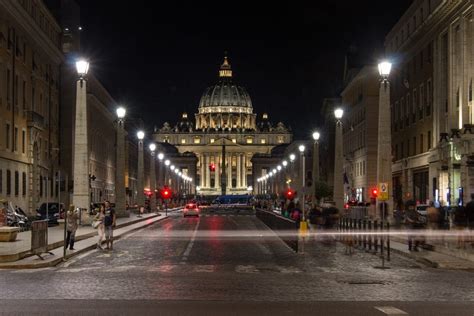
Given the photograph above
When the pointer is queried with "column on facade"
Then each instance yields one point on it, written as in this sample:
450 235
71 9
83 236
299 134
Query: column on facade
207 181
203 170
229 171
239 170
217 179
244 171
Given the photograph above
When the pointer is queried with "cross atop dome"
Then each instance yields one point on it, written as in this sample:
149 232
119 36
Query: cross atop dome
225 70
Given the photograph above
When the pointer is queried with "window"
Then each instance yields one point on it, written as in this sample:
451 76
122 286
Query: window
15 91
428 97
212 140
234 140
421 143
7 135
470 91
249 140
415 105
17 183
23 141
23 181
429 140
23 90
421 103
197 140
280 139
8 90
41 185
263 141
9 182
15 140
414 145
183 140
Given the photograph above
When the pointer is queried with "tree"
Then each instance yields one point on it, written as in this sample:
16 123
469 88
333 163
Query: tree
322 190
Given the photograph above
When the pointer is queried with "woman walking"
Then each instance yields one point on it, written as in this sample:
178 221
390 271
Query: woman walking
101 227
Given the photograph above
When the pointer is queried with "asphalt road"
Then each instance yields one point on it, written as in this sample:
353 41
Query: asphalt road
232 264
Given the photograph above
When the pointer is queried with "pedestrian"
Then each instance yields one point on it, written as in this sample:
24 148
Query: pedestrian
470 218
432 220
71 226
100 228
413 222
460 223
109 224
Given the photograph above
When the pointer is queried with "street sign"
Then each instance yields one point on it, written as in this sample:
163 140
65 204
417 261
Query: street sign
383 191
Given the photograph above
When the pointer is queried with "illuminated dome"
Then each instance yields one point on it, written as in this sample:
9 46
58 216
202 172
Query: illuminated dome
225 96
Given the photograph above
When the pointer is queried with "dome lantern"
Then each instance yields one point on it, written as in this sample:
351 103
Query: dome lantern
225 71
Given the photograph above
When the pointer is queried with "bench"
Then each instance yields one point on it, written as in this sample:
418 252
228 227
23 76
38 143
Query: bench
8 234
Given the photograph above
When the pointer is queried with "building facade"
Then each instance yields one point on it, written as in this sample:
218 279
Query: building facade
225 135
360 98
431 100
30 59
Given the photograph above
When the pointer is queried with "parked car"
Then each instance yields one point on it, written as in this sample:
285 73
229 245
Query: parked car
50 211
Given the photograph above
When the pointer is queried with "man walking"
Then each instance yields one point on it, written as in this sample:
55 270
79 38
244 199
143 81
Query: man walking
109 223
71 226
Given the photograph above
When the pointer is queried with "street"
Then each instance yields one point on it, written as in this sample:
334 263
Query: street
219 264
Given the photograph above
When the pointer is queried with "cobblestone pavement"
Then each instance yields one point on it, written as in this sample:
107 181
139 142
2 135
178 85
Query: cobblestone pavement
188 259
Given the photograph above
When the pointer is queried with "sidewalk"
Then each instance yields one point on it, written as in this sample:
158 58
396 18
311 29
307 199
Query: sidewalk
432 258
16 255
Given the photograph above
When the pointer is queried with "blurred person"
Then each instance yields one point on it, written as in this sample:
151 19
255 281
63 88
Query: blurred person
100 228
413 223
71 226
460 224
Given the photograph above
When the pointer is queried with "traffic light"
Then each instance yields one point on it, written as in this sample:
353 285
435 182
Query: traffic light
212 167
375 193
165 193
290 194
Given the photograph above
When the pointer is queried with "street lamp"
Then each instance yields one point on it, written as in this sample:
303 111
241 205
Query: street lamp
152 147
140 172
338 189
81 196
292 157
302 148
120 194
172 167
315 173
284 163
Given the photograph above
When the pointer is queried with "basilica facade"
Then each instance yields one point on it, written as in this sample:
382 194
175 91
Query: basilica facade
224 136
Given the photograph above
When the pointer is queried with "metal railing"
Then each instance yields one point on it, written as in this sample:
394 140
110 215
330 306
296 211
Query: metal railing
367 235
285 228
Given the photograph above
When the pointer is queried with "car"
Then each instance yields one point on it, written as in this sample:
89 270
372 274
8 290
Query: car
50 211
191 209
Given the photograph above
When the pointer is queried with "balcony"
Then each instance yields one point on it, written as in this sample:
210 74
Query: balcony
35 120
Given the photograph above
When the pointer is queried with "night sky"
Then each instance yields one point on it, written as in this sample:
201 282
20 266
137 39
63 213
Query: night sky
157 57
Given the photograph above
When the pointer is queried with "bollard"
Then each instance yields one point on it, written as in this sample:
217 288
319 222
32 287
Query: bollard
376 239
364 227
388 242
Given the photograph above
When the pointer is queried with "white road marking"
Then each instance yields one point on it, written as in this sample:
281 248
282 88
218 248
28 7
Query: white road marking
191 244
204 268
288 269
390 310
246 269
163 268
31 270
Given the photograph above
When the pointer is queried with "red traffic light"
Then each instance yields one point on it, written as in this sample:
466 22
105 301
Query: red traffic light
165 193
375 193
212 167
290 194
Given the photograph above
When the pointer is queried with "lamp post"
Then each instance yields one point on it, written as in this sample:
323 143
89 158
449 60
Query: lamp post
140 173
161 156
292 165
301 148
315 172
152 147
384 148
81 197
120 194
338 189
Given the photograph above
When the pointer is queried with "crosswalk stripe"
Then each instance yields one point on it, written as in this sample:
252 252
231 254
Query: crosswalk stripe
390 310
246 269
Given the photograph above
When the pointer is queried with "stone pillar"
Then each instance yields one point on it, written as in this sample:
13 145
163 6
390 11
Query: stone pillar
239 171
208 173
384 148
244 171
140 176
81 197
229 172
217 176
338 189
120 194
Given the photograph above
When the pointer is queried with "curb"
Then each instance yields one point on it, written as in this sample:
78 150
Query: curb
56 261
